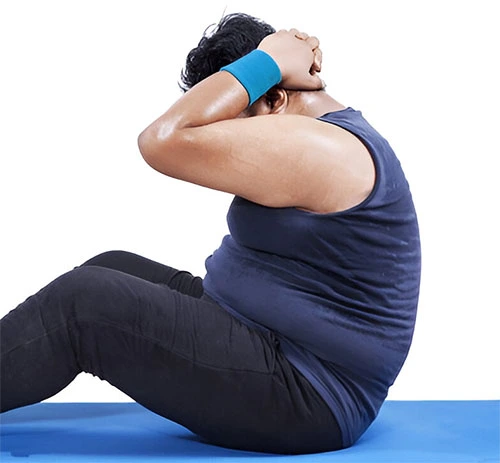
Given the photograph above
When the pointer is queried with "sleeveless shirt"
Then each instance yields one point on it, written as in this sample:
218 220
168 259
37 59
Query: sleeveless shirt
339 290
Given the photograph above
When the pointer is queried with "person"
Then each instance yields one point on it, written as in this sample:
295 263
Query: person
291 341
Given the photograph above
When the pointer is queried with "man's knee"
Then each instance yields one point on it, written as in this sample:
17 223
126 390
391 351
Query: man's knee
82 292
106 259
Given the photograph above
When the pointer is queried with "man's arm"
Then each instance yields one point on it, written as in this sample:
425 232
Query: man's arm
274 160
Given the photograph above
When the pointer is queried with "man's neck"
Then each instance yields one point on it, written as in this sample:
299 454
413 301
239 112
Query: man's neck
314 103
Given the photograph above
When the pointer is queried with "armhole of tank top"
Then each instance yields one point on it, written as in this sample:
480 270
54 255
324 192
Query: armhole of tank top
374 190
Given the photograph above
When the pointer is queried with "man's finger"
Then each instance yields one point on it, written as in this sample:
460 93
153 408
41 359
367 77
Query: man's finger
314 83
313 42
299 34
318 59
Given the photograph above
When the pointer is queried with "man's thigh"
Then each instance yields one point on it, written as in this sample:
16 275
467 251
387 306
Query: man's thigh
182 357
149 270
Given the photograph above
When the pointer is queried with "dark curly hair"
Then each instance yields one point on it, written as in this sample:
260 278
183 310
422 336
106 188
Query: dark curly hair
233 37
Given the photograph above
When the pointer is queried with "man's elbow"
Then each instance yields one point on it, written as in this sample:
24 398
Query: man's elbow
153 146
145 142
159 150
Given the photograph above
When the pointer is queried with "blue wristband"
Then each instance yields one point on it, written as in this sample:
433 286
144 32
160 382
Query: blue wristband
257 72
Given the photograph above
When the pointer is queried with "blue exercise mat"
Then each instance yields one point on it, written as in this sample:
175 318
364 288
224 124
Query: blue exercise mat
404 432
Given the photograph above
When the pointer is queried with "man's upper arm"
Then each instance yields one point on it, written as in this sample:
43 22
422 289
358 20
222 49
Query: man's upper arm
273 160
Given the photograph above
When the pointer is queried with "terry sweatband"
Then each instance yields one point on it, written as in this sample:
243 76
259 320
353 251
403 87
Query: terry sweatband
257 72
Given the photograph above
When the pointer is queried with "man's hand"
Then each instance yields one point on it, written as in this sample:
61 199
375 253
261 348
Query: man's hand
298 57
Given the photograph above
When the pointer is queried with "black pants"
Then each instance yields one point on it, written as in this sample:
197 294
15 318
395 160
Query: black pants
149 330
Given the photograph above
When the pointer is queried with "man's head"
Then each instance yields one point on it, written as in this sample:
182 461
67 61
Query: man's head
236 35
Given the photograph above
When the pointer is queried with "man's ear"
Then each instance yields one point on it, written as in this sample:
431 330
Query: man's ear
276 100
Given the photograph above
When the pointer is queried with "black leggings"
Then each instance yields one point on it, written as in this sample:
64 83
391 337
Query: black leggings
148 330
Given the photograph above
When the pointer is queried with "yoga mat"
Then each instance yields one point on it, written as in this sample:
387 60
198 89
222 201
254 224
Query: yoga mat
404 432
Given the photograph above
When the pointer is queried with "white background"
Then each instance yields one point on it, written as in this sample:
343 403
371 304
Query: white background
81 79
